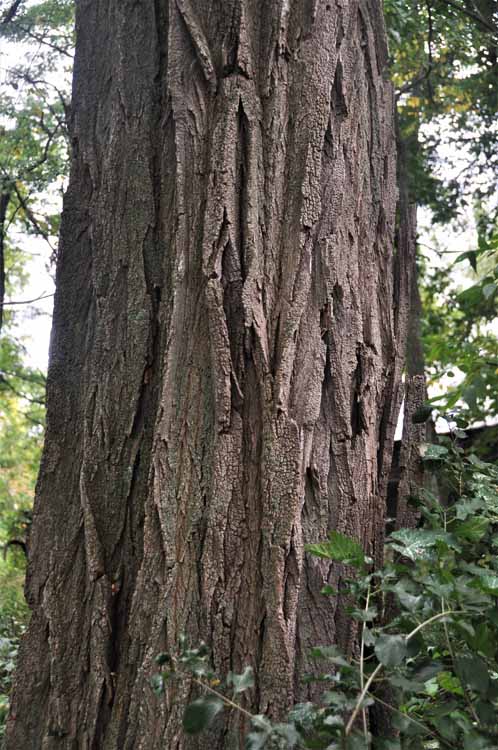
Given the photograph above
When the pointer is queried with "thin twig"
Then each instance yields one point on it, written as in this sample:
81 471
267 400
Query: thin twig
379 666
26 301
410 718
362 671
222 697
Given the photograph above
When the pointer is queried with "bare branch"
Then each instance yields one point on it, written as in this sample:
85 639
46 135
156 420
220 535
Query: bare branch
10 303
9 15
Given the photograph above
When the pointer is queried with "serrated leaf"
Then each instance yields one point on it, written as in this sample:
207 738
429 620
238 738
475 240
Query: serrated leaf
390 650
200 714
413 543
472 529
241 682
341 548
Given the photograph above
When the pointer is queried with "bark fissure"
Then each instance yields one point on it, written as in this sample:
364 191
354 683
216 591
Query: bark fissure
224 347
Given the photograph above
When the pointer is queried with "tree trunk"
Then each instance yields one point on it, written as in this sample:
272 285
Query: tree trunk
4 204
226 356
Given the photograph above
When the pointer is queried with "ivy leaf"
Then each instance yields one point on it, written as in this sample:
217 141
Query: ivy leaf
390 650
200 714
341 548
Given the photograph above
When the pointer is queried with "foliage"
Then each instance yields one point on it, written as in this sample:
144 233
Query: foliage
444 67
34 106
459 333
428 633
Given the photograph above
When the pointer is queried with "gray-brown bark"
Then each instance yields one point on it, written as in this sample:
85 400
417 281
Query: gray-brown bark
4 203
226 357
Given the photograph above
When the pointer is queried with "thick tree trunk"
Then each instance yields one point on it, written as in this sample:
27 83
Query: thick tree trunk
226 357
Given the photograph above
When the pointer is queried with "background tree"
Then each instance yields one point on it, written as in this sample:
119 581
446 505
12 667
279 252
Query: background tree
36 38
226 358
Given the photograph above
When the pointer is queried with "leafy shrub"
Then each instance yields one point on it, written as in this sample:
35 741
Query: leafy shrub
428 624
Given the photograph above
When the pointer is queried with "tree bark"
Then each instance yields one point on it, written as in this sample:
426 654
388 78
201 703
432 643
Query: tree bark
4 204
226 356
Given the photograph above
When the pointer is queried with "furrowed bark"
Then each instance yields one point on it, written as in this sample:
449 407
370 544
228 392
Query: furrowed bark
226 358
4 203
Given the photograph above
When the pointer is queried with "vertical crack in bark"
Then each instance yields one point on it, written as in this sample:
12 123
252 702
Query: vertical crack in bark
229 220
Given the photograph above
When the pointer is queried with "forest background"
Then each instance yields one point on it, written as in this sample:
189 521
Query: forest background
444 66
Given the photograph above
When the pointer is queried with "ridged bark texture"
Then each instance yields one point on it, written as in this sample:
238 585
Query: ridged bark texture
226 357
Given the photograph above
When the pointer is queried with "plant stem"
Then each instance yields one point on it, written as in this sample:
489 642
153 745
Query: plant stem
410 718
379 666
362 671
362 695
223 698
452 655
433 619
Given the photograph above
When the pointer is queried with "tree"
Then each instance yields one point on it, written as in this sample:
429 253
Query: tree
227 348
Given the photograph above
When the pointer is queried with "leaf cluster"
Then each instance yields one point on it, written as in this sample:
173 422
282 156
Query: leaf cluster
428 634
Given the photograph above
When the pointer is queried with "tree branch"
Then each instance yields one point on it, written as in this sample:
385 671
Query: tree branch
470 14
9 15
9 303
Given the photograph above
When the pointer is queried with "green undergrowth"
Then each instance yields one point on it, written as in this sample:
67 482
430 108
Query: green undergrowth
427 650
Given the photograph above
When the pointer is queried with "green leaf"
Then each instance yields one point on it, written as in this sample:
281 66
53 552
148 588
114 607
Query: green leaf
390 650
471 256
473 671
472 529
200 714
486 712
381 743
488 290
405 684
408 600
157 684
341 548
241 682
414 543
162 659
422 414
363 615
331 653
449 682
256 740
488 583
431 452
